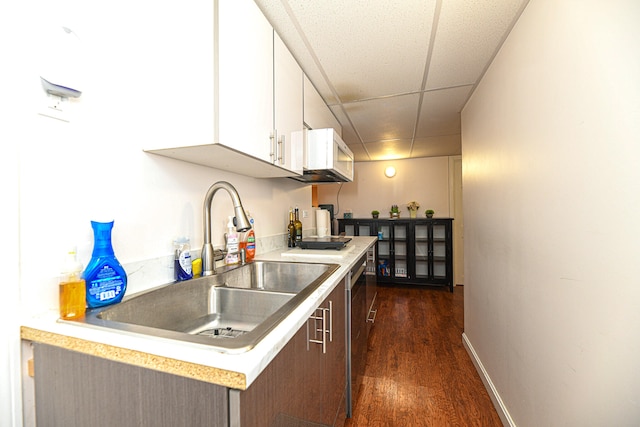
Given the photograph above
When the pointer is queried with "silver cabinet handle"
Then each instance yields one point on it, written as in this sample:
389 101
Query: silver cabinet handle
371 316
325 317
318 316
273 138
330 310
324 331
281 150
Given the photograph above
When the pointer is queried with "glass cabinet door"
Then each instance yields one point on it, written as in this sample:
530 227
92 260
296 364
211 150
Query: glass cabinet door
384 250
439 252
400 245
364 229
421 241
349 229
356 227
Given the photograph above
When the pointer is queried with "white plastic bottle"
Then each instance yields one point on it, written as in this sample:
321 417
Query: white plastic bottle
233 244
182 263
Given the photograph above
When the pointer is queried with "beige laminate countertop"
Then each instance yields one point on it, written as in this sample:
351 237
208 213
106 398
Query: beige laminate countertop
192 360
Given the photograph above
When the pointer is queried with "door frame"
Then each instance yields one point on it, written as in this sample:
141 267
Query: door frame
455 211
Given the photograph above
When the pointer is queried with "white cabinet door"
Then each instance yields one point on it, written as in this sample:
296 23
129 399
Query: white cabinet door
245 78
288 101
235 128
317 114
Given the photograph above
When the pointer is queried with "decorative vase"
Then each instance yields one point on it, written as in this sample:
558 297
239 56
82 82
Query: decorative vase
429 216
394 214
412 214
375 216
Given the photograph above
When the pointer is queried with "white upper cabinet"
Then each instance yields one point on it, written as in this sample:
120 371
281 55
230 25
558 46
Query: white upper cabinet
243 133
245 79
317 114
288 121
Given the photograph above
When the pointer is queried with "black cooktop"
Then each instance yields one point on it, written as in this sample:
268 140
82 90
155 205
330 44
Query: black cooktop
329 242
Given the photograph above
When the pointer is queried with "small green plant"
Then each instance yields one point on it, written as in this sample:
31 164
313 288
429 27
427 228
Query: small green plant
375 212
394 209
429 213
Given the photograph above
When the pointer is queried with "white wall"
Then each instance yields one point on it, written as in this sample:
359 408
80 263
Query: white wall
10 401
424 180
147 77
551 204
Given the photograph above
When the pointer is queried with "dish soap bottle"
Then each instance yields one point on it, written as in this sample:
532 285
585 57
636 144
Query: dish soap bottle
182 264
233 244
251 240
72 288
105 278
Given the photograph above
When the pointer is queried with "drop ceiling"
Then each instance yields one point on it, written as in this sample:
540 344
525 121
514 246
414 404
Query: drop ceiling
396 74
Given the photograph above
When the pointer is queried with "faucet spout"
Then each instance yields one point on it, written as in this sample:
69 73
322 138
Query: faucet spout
240 221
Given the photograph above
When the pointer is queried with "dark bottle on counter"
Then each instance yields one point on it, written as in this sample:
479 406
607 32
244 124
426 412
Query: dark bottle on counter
298 226
291 231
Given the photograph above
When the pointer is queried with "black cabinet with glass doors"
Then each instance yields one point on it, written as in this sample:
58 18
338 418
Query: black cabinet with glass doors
411 251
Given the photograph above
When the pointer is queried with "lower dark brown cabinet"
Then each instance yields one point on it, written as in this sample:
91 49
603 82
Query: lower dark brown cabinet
305 384
77 390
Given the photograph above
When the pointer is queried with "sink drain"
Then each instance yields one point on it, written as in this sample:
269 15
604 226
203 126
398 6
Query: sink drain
221 333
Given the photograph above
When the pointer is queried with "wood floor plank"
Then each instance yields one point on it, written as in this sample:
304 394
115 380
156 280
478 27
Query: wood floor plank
418 372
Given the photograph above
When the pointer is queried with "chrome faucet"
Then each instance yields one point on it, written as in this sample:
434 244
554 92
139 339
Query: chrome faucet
240 221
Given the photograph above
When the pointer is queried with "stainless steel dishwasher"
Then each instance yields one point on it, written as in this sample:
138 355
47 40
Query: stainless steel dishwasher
357 330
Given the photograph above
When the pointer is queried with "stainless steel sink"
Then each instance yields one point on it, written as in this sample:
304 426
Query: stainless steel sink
274 276
230 311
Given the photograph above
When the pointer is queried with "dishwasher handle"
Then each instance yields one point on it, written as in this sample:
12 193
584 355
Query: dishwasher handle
359 272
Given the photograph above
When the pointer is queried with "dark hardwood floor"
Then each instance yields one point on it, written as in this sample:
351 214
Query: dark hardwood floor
418 372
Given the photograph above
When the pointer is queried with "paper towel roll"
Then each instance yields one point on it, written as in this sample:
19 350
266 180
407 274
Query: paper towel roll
322 222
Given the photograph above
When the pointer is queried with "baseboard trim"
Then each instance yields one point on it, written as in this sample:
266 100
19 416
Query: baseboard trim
503 413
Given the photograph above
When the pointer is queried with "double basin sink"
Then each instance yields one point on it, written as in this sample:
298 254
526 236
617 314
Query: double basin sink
230 311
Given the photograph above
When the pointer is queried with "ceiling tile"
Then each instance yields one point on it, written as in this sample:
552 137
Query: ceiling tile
368 48
448 145
386 150
384 118
468 35
440 112
359 152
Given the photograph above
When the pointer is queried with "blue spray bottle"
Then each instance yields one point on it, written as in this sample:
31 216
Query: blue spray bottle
105 278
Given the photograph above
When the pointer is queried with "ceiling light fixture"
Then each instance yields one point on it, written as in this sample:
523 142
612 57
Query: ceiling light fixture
390 172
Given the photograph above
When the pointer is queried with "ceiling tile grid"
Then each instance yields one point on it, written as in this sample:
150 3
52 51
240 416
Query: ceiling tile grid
357 44
395 74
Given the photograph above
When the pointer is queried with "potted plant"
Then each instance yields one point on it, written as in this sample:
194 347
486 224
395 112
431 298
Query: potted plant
394 212
375 213
413 207
429 213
